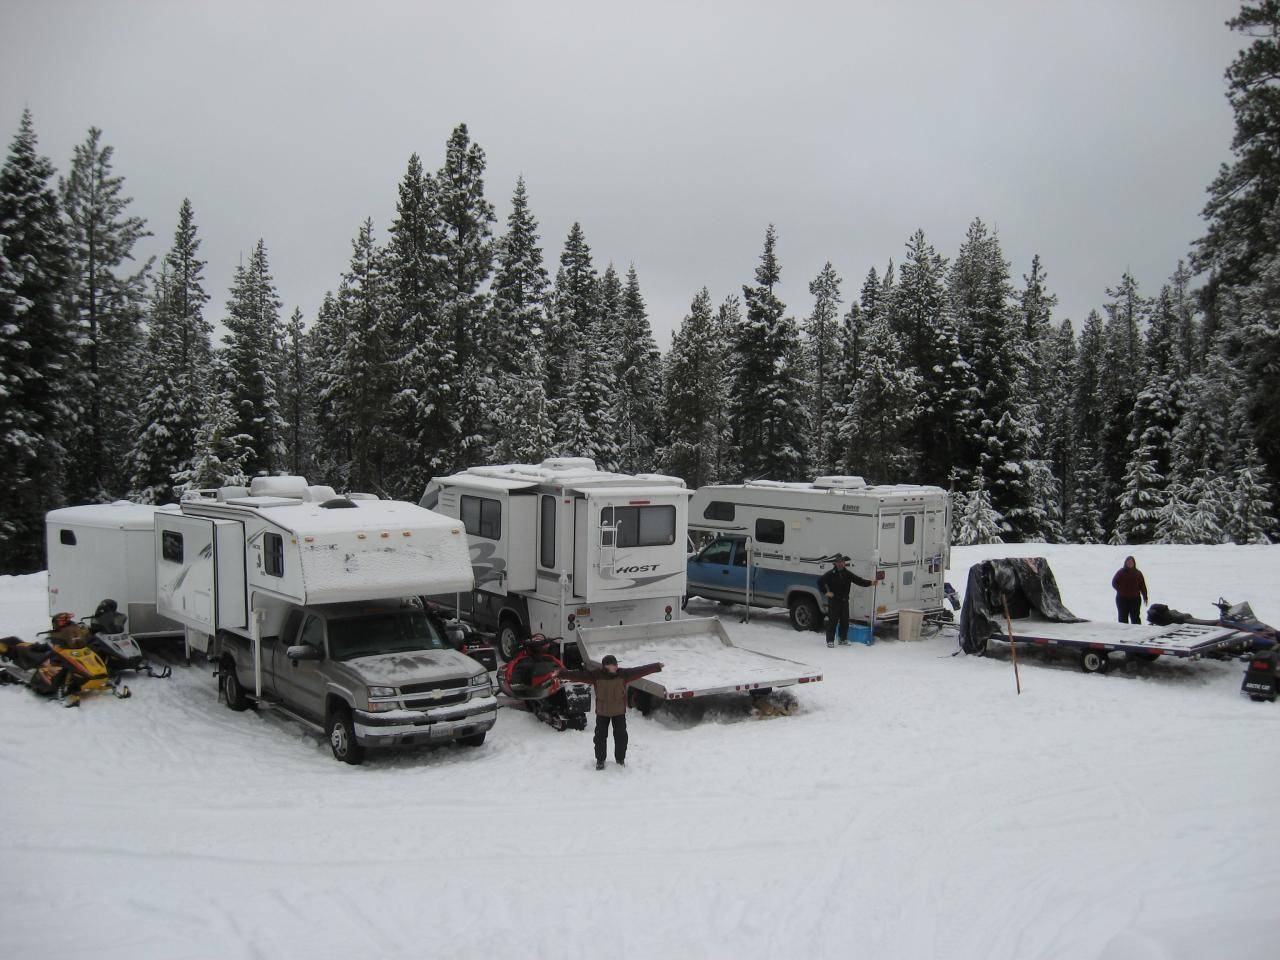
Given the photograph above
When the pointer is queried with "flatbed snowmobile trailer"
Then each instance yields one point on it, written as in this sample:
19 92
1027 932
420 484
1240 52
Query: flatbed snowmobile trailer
1095 641
699 660
1019 597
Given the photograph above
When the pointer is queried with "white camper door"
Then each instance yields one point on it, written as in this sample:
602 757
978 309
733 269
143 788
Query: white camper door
913 572
522 541
186 579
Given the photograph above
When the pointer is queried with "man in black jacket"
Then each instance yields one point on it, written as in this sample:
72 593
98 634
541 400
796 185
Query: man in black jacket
835 583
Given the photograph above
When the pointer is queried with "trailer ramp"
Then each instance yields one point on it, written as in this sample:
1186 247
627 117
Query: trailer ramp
699 659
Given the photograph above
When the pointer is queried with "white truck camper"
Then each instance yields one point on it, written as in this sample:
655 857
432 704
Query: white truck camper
106 551
772 540
562 545
237 560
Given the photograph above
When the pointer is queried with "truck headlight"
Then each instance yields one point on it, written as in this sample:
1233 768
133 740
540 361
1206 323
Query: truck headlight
382 691
480 682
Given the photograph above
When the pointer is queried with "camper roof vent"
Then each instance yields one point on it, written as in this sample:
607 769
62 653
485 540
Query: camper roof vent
338 503
295 487
232 493
559 464
318 493
839 483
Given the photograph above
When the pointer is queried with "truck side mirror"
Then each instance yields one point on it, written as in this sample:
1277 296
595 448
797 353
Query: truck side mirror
303 651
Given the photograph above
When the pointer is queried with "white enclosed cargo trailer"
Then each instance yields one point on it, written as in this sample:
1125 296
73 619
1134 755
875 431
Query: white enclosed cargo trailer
562 545
106 551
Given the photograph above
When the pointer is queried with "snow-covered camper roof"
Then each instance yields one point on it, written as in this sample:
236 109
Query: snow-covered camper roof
573 473
361 549
835 486
120 515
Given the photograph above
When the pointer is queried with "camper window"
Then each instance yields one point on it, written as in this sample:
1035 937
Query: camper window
67 538
547 535
718 510
642 526
171 546
273 554
770 531
482 517
908 530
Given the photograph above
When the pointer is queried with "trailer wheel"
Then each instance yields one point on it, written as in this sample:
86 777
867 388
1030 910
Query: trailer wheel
1095 661
509 638
232 692
642 700
805 614
342 736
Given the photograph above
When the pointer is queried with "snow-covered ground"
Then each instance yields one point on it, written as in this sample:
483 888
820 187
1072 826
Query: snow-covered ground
913 807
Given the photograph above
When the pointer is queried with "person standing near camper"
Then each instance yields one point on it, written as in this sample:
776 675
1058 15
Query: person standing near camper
835 584
611 684
1131 591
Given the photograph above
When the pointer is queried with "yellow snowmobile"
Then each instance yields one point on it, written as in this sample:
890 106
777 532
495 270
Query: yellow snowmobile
65 666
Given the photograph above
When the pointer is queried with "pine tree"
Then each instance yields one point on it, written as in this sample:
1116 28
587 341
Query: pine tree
823 341
1121 379
221 452
695 397
877 431
1178 520
523 426
596 429
728 459
574 311
296 398
1083 520
1057 445
767 396
253 347
37 351
922 318
175 369
467 251
638 375
979 522
1252 520
1142 499
422 347
107 298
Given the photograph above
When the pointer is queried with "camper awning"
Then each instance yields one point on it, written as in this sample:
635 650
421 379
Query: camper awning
496 484
634 493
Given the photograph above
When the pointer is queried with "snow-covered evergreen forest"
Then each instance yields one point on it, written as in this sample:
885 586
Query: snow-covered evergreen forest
452 339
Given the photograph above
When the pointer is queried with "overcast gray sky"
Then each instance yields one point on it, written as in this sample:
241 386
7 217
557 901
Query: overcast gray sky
1084 131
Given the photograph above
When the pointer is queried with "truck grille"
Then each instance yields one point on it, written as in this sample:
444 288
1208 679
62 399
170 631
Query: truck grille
412 688
443 700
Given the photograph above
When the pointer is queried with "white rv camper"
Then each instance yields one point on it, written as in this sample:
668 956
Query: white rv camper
237 561
106 551
772 540
563 545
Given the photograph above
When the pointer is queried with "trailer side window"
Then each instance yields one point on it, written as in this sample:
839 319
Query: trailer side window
770 531
547 535
67 538
171 546
719 510
908 530
642 526
273 554
482 517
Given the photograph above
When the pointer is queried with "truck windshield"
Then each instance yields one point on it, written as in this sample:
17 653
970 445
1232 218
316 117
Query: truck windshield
398 631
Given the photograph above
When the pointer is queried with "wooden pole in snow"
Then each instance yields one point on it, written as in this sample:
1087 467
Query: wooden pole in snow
1013 647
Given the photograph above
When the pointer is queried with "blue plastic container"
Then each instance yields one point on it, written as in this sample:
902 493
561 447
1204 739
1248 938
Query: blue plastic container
861 634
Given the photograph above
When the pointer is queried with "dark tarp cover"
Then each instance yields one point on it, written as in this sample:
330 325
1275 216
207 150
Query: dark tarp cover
1028 585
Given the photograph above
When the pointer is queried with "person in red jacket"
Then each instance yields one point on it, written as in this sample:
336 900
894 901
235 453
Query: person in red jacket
1131 591
611 684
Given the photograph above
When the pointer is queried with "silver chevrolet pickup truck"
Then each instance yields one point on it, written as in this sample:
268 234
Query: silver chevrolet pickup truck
371 674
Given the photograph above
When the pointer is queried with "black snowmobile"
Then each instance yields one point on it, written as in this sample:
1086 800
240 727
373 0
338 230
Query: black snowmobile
529 681
1260 650
117 649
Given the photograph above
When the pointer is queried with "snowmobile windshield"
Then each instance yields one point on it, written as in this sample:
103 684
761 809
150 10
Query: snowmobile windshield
391 632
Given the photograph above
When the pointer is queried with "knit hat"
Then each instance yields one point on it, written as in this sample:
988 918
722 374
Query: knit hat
609 660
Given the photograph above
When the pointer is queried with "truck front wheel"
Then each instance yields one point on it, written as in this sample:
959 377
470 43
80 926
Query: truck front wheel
342 736
805 614
232 692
